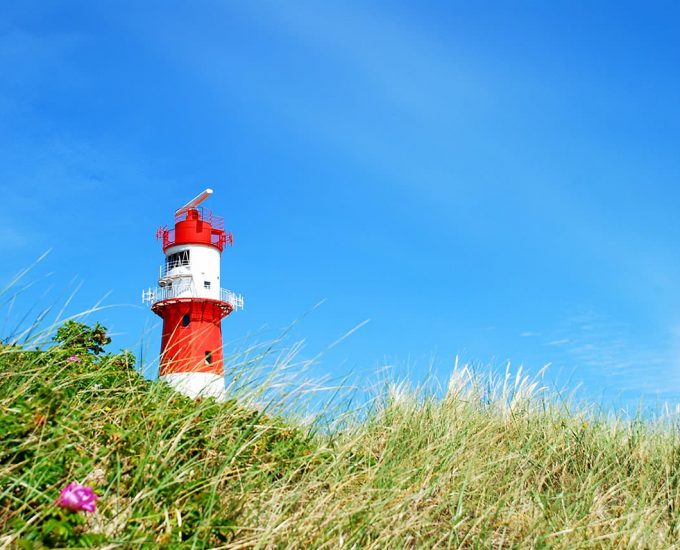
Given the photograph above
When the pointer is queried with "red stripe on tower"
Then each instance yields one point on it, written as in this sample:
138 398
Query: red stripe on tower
191 301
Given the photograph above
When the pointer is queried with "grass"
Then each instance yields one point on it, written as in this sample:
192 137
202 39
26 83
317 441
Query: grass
493 463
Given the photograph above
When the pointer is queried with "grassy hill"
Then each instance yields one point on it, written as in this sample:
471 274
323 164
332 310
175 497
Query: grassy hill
484 466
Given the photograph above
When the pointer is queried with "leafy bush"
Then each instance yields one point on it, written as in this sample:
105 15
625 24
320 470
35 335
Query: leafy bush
75 337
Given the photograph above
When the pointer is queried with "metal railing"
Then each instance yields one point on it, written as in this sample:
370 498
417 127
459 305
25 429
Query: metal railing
153 295
220 238
236 300
164 270
217 222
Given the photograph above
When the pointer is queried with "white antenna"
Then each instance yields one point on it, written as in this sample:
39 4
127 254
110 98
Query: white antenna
193 203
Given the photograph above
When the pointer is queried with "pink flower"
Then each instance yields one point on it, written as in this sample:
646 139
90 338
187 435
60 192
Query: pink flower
77 497
74 359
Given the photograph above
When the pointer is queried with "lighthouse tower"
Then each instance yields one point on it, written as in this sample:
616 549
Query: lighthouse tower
190 300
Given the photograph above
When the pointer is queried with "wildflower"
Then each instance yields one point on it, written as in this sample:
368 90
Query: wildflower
77 497
74 359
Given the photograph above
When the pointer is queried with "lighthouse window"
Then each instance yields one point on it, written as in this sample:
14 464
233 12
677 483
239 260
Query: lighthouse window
178 259
206 285
208 357
185 320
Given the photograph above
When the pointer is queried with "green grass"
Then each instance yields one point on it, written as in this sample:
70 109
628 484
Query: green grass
491 464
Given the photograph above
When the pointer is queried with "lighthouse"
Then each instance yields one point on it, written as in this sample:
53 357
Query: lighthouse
191 301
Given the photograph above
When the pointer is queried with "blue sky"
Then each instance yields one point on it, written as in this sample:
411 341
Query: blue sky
497 180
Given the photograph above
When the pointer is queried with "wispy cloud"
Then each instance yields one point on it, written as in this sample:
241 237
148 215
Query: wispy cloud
560 342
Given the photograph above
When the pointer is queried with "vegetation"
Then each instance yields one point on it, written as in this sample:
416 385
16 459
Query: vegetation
485 465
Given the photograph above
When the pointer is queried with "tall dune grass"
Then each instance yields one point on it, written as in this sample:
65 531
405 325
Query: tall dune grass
490 462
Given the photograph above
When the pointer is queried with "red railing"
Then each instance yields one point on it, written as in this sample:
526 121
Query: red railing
168 237
218 237
205 215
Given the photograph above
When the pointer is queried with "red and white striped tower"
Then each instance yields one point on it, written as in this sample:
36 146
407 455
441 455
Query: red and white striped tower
191 301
